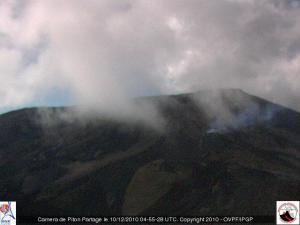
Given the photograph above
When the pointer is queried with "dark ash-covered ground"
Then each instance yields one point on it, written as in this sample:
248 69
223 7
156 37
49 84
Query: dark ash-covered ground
198 165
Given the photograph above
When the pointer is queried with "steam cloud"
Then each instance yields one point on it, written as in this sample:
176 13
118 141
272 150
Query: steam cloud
103 53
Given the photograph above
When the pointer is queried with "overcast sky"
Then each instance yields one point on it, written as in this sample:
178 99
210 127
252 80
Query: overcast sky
103 52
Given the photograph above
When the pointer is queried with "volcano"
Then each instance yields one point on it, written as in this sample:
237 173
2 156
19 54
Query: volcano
228 153
287 217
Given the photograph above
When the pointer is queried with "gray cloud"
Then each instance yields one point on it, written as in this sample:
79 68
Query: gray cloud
105 52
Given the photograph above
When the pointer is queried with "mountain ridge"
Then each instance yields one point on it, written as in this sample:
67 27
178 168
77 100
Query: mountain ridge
155 96
108 167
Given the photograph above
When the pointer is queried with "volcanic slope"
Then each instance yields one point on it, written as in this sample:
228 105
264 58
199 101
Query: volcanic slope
218 153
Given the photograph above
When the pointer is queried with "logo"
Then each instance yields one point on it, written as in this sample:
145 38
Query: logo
287 212
7 213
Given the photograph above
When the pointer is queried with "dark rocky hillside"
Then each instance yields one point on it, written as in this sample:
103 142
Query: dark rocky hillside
206 161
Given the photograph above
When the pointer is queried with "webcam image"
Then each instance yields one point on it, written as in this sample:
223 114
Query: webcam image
149 112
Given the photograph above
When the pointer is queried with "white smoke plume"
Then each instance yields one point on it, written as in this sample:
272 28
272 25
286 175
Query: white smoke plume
103 53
